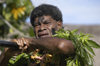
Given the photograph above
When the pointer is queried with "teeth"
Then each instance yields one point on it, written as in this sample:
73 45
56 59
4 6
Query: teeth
42 35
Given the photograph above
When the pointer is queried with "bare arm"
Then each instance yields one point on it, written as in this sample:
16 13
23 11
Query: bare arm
54 44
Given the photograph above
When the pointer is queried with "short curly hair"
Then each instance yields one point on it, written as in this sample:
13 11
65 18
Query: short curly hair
46 9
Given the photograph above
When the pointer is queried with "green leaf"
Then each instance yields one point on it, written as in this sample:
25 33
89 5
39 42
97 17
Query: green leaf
1 22
71 63
7 16
74 31
9 1
11 30
74 64
90 62
89 49
93 44
19 60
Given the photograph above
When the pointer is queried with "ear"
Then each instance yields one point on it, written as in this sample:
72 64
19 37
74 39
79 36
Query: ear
59 25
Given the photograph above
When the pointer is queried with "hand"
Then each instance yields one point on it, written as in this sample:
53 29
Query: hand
23 43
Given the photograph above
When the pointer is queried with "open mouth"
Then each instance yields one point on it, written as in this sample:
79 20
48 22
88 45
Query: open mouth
43 35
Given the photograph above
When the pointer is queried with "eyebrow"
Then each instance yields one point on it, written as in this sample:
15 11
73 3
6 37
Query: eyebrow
45 21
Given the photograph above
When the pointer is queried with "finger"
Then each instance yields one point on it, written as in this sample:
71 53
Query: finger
13 40
20 43
20 47
23 41
25 47
26 42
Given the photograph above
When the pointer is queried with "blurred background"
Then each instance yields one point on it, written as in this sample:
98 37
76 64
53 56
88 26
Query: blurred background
83 15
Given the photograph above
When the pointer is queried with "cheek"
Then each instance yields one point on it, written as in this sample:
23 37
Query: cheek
51 29
36 31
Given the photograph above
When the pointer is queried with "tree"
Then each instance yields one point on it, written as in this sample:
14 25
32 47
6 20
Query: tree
13 14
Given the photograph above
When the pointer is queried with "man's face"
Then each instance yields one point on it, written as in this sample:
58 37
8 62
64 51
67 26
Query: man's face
45 26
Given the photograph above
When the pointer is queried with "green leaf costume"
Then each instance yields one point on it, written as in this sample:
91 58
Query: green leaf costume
83 55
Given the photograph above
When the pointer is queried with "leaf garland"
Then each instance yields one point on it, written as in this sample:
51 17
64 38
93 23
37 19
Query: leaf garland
19 60
83 49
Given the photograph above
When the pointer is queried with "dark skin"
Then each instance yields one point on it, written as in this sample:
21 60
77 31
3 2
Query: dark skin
44 28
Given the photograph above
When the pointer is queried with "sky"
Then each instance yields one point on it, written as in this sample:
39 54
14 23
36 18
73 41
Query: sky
76 11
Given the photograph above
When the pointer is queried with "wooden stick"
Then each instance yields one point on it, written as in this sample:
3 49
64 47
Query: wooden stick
8 44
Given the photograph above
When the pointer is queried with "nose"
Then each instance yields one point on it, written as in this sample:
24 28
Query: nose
42 27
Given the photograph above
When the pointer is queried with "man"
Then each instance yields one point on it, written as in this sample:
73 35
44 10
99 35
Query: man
45 19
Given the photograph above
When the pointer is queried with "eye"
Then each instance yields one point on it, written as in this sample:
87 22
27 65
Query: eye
46 22
36 25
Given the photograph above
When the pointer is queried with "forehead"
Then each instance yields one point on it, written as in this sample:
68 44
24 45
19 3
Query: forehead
43 18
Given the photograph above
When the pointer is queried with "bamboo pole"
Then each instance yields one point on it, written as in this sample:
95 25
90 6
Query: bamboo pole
4 43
